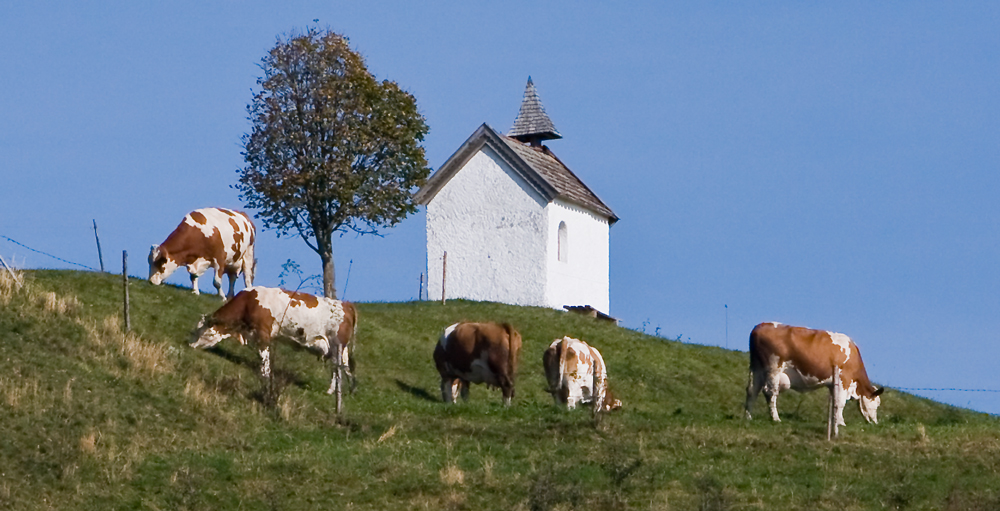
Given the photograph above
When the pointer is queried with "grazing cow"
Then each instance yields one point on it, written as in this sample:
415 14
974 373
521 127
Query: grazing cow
217 238
787 357
323 326
576 374
477 353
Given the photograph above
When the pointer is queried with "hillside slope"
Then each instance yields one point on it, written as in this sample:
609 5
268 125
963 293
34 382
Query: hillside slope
93 419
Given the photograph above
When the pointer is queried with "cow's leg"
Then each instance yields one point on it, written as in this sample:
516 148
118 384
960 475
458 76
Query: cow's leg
350 367
217 282
197 269
464 389
448 390
771 390
232 283
249 269
265 362
341 364
755 383
840 398
507 387
572 396
599 394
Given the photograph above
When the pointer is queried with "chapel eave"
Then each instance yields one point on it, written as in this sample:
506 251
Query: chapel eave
537 166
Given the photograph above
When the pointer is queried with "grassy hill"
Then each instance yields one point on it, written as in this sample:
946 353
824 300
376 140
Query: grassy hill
94 419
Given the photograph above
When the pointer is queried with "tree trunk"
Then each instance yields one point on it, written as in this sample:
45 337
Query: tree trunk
326 255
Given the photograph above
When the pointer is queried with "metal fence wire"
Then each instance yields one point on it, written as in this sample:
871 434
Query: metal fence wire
47 254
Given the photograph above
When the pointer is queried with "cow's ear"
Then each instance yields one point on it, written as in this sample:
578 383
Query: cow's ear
878 392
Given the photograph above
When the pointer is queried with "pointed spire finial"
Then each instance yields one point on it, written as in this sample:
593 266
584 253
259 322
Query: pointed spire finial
532 123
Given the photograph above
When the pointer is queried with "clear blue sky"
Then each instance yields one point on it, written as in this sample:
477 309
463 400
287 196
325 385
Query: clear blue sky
829 165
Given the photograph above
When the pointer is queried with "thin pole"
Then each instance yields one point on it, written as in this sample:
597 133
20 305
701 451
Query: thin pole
727 326
837 389
11 272
829 417
100 256
347 280
444 276
128 322
831 425
420 293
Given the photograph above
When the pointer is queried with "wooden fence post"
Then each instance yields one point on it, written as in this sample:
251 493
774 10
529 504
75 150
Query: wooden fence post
100 256
444 276
829 416
339 376
128 322
832 428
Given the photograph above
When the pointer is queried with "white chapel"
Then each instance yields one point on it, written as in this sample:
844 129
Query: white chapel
517 225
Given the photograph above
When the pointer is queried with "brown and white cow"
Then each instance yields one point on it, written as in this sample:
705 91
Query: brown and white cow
260 315
787 357
576 374
217 238
477 353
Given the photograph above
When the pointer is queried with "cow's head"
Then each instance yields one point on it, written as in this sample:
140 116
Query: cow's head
869 406
206 334
611 403
161 265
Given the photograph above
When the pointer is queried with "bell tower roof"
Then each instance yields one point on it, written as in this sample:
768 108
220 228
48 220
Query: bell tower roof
532 124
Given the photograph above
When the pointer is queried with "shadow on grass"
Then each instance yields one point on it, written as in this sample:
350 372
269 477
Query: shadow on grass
416 392
236 358
285 376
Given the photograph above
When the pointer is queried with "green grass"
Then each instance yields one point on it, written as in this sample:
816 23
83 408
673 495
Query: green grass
92 419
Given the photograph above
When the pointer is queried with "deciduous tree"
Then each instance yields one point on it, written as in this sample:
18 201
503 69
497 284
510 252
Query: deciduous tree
332 150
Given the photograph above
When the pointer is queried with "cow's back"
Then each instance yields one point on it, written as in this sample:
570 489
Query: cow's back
302 316
223 235
245 310
811 352
462 344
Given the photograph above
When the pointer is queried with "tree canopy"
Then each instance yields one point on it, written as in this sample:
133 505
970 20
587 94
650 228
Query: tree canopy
332 149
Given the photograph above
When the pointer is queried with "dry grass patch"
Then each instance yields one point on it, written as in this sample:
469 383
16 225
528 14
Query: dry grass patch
140 356
289 409
61 305
10 283
19 391
88 443
388 434
119 463
197 391
451 475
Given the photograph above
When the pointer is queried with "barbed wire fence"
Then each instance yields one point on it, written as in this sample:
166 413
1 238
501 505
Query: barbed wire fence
910 389
18 243
304 281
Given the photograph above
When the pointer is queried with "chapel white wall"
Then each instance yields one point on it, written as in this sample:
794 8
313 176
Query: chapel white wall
583 278
495 229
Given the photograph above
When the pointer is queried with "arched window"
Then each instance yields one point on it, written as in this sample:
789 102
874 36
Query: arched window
563 247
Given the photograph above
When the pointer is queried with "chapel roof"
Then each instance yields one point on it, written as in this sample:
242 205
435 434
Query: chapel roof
537 165
532 124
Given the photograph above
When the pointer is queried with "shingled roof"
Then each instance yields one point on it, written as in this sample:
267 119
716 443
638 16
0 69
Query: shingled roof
537 165
532 123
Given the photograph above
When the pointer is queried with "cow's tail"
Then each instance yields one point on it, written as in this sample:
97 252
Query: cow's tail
513 347
563 348
757 373
351 344
600 380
